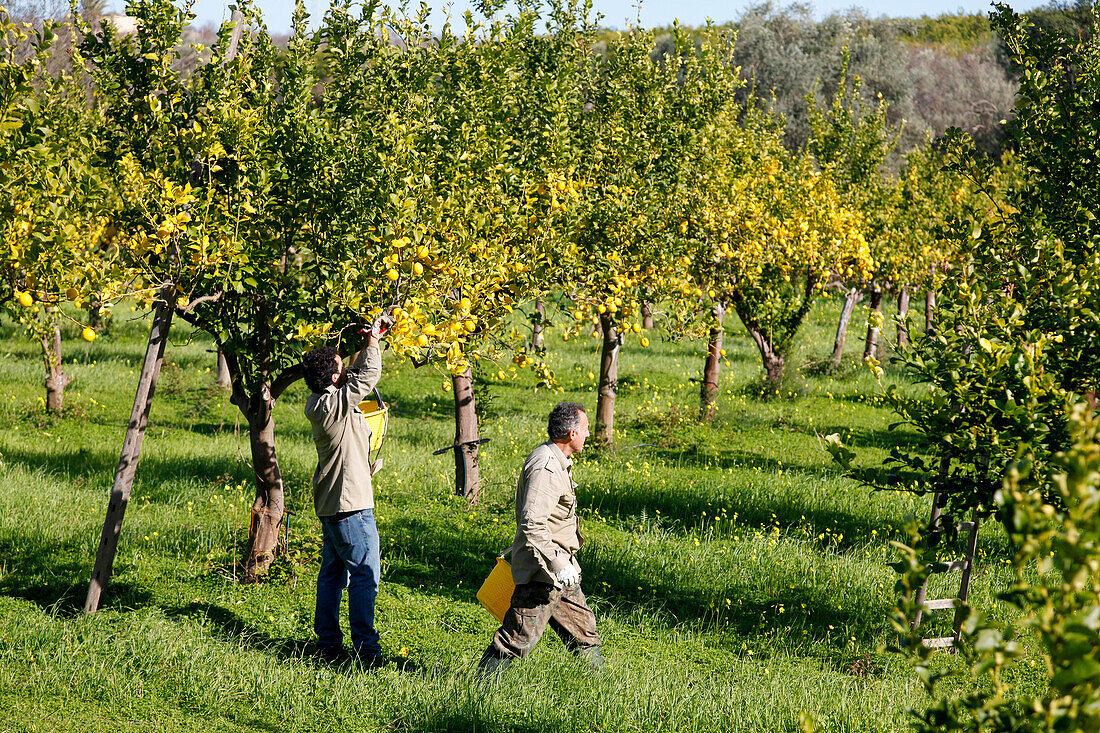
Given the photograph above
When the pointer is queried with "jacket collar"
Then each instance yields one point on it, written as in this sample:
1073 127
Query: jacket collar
566 463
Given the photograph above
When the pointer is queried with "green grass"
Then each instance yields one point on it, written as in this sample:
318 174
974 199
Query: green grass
740 583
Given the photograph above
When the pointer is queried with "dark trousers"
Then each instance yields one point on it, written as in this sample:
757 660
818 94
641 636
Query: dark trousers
534 605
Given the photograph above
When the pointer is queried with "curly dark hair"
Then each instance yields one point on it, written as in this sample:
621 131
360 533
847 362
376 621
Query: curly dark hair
564 417
318 367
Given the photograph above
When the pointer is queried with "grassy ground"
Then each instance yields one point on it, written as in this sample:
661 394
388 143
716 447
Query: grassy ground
739 582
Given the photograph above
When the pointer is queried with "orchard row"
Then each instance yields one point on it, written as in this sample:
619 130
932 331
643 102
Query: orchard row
278 198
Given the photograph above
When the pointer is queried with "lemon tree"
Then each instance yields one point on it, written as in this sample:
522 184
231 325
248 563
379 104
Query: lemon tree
769 228
643 127
53 247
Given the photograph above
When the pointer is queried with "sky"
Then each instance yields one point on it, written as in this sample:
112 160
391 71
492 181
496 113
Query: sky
618 13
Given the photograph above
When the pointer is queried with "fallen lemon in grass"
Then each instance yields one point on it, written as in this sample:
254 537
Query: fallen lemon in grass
645 342
88 334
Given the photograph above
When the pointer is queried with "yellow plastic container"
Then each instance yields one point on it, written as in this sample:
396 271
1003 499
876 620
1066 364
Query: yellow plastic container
377 414
496 591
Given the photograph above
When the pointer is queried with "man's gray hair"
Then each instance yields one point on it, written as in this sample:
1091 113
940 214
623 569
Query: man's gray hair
564 417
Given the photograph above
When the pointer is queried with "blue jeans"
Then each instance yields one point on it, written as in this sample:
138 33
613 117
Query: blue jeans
349 559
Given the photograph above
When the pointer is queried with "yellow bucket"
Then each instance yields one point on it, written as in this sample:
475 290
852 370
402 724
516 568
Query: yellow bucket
377 414
496 591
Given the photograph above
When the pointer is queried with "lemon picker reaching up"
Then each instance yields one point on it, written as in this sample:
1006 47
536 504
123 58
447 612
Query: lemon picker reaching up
544 566
343 496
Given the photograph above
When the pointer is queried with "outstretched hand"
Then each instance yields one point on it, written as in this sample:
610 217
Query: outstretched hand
382 324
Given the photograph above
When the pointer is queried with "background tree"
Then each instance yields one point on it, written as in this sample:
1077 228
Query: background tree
769 230
642 127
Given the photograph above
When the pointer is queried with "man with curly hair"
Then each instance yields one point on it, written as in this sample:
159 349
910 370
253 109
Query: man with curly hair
343 496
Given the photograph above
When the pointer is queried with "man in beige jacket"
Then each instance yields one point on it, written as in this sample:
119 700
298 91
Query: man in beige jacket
544 564
343 497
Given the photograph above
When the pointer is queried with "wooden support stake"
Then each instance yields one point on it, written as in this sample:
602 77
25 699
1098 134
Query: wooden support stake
131 449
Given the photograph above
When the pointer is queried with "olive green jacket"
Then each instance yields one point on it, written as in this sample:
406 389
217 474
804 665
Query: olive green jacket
342 481
547 527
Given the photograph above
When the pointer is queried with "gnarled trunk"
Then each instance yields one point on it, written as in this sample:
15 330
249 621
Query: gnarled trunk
609 382
851 297
870 344
467 472
903 317
774 361
56 378
647 316
269 504
536 325
712 367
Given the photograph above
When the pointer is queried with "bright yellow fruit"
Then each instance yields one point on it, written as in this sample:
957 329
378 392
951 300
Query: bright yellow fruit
422 340
88 334
500 374
645 342
25 299
392 274
418 269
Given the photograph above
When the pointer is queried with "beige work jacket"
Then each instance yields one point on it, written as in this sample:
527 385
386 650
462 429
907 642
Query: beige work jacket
342 482
547 527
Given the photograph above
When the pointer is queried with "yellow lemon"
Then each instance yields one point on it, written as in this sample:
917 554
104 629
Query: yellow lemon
25 299
418 269
392 274
422 340
645 342
500 374
88 334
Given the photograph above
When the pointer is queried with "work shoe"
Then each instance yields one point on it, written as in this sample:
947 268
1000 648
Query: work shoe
592 656
370 661
492 666
331 654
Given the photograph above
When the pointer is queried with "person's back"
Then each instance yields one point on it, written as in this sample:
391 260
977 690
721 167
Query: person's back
343 497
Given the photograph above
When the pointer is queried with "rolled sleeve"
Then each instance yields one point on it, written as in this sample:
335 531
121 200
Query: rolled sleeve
363 375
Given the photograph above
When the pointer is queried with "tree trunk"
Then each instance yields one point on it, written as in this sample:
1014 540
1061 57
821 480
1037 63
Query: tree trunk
712 367
268 506
131 449
467 471
95 313
773 361
222 378
56 379
903 317
929 311
609 382
536 327
851 297
870 345
647 316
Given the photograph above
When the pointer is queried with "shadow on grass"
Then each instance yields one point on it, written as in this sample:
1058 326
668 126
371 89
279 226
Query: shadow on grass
55 575
436 558
152 473
231 627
